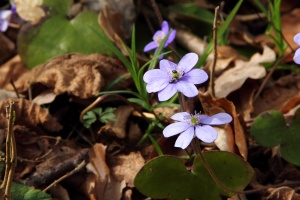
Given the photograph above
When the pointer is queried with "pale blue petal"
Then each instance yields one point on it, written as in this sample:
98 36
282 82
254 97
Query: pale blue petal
165 27
167 93
186 88
180 116
167 66
155 74
175 128
156 86
3 25
5 14
206 133
185 138
158 34
218 119
171 38
297 38
150 46
187 62
297 56
195 76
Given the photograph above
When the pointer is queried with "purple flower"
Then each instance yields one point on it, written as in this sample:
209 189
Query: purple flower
198 124
171 78
5 16
297 53
159 36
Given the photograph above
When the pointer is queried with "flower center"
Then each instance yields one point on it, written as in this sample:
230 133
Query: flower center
194 121
175 76
159 38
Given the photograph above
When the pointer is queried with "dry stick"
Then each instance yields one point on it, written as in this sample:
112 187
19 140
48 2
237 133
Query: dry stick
212 72
157 12
10 157
16 91
80 166
269 75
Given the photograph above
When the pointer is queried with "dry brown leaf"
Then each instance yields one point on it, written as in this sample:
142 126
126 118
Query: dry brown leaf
45 98
30 10
233 137
282 193
233 78
7 48
101 184
11 70
76 74
118 127
4 95
125 167
30 115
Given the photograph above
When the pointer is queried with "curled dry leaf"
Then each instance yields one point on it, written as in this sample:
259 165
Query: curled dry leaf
118 127
233 78
232 136
76 74
30 115
100 184
30 10
282 193
11 70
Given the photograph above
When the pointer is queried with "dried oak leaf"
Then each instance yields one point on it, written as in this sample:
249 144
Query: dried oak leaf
30 10
233 78
76 74
231 136
281 193
30 115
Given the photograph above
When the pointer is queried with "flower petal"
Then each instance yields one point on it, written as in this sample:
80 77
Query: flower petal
206 133
3 25
195 76
167 92
167 66
185 138
175 128
159 34
5 14
155 74
218 119
297 56
297 38
170 38
180 116
187 62
150 46
186 88
165 27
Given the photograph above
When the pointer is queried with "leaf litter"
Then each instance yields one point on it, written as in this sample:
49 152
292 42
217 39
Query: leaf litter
49 99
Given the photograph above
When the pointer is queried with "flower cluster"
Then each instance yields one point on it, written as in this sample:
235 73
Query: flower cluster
159 36
5 17
171 78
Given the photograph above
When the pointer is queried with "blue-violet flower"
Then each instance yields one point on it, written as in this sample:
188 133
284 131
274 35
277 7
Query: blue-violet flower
171 78
297 53
159 36
197 124
5 17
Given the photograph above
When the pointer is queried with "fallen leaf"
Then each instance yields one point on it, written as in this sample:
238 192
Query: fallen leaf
45 98
232 136
76 74
233 78
30 10
281 193
30 115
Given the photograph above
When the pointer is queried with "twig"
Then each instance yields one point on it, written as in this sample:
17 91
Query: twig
269 75
212 71
77 168
157 12
16 91
11 154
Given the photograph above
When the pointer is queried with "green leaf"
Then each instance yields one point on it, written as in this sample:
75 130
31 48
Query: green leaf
269 129
22 192
57 36
167 177
89 118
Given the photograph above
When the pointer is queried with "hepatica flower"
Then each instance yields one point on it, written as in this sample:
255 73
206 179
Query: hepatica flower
5 16
195 125
170 78
159 36
297 53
